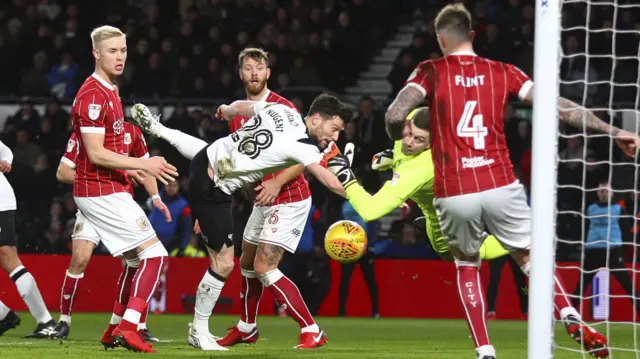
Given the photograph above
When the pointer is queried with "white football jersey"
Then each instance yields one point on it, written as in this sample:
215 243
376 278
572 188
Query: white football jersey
7 197
275 138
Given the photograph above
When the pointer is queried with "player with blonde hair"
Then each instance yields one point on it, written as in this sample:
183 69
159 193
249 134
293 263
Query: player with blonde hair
100 186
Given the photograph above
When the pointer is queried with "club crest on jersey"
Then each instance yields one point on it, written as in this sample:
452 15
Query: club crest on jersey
94 111
127 138
143 223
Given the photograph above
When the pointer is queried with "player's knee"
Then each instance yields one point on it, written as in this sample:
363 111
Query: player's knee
79 263
153 251
467 263
9 258
222 263
132 262
270 277
261 266
246 261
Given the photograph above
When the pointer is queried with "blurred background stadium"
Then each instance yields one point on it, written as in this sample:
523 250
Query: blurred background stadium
182 62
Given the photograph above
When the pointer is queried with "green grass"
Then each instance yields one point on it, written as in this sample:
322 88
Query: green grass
348 338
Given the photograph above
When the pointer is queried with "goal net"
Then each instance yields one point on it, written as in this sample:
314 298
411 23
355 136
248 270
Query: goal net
597 198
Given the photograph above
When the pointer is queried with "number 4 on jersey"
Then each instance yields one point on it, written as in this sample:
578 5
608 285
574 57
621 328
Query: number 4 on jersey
472 126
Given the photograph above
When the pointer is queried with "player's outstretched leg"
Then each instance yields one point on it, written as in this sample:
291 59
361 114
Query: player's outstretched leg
206 297
590 339
28 289
80 255
472 298
287 293
123 290
8 318
187 145
152 256
246 331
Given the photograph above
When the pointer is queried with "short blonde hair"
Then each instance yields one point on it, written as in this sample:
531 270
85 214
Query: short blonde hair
254 53
105 32
455 18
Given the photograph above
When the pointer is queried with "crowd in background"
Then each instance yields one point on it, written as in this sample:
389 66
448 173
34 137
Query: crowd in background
187 60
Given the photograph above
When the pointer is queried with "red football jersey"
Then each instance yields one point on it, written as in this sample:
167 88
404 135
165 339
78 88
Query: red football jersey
296 190
134 142
467 97
97 109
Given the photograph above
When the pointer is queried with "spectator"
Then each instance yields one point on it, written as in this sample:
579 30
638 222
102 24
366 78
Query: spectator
25 153
603 245
35 82
62 77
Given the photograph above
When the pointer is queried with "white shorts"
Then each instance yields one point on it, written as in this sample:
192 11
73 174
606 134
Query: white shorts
281 224
118 220
503 210
83 230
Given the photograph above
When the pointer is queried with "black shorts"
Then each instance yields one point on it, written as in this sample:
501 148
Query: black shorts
210 206
8 228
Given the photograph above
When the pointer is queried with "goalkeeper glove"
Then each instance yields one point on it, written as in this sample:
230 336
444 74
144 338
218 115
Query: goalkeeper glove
340 166
382 161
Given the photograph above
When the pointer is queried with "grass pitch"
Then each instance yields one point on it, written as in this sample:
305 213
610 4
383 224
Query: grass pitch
348 338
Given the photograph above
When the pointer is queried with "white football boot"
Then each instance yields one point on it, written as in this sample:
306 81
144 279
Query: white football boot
203 340
147 121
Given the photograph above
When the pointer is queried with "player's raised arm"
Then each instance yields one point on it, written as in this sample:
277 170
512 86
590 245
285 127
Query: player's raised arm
582 118
243 108
410 97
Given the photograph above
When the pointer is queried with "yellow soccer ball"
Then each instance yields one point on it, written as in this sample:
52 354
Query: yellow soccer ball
345 241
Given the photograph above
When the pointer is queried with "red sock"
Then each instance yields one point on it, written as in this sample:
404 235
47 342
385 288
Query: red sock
68 292
251 292
288 294
561 299
472 298
143 318
146 278
124 285
132 315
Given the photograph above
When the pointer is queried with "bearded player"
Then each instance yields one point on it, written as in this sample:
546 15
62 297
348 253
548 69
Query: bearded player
85 239
282 206
100 186
474 181
275 137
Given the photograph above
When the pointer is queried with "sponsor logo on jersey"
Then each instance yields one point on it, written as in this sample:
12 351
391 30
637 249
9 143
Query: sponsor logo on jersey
94 111
127 138
70 145
118 126
478 161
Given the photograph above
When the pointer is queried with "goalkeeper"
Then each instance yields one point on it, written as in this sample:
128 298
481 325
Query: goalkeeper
413 175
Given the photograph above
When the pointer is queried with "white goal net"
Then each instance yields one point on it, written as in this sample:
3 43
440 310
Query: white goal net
598 189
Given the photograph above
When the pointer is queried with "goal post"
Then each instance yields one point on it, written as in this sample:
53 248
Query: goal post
543 178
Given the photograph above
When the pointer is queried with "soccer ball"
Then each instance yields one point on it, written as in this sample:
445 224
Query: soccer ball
345 241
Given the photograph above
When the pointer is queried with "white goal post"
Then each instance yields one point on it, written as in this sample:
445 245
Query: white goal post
543 178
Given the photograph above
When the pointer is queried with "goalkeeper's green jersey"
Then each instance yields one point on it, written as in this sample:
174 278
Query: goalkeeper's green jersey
413 177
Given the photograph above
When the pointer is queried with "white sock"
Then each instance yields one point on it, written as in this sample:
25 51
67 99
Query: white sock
132 316
115 319
65 318
4 310
246 327
187 145
29 292
486 350
208 293
569 311
142 326
313 328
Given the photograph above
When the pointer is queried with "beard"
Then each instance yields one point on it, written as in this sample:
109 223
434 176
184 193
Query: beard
253 88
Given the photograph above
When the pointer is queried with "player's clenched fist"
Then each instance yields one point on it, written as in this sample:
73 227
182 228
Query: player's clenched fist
382 161
159 168
628 142
225 112
340 166
5 167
